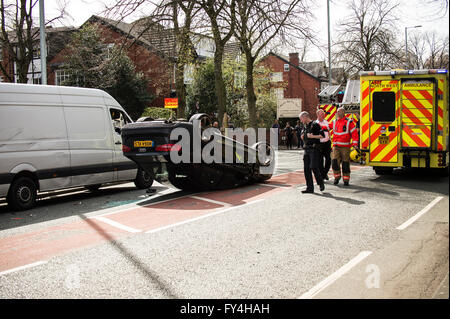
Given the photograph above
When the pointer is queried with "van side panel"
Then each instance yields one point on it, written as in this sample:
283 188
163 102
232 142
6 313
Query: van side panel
90 142
33 132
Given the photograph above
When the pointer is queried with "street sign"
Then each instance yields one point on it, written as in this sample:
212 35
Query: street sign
171 103
287 108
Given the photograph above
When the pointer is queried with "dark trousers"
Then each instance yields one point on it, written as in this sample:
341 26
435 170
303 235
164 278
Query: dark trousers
299 141
325 160
289 142
312 164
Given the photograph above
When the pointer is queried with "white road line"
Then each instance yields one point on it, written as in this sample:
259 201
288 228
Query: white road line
116 224
335 276
212 201
22 267
202 217
419 214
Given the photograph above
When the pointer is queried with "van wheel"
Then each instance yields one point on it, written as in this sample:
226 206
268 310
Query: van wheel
22 194
93 188
143 179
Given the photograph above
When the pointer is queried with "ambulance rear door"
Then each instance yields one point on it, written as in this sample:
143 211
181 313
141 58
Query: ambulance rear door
384 121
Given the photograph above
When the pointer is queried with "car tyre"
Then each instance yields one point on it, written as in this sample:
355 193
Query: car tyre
22 194
143 179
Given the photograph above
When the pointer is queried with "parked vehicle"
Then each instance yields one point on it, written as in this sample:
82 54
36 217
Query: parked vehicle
150 145
404 119
54 137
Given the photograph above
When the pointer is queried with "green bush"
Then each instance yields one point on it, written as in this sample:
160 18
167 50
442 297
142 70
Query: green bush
157 113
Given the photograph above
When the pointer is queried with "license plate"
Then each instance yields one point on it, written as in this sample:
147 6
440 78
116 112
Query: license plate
143 144
383 139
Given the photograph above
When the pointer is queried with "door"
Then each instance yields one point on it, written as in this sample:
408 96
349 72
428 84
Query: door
90 152
417 113
124 168
384 122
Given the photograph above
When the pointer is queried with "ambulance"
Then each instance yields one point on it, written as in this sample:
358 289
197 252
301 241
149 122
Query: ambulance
404 119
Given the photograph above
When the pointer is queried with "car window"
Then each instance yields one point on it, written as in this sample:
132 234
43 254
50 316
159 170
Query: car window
119 119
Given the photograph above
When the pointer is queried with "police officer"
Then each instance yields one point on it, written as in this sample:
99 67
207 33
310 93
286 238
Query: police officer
312 133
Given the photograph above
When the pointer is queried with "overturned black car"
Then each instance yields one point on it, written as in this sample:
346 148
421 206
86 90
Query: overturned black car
192 155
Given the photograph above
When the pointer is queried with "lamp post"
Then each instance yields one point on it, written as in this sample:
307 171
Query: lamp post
43 46
329 43
406 40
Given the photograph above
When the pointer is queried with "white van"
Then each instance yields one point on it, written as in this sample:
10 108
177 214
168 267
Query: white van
54 137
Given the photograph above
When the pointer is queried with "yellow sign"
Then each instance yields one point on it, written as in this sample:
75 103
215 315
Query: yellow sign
170 103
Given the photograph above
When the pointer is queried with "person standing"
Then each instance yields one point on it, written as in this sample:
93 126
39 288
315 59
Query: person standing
325 144
312 133
289 132
298 131
345 135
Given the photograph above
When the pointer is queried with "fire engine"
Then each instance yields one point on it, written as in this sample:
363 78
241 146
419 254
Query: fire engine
404 119
333 97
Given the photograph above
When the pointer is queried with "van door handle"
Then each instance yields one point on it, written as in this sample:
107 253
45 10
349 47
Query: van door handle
118 143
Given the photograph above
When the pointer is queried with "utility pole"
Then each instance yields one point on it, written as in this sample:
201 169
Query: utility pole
406 42
43 46
329 43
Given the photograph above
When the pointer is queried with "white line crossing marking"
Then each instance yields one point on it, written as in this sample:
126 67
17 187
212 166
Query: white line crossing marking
211 201
202 217
116 224
335 276
419 214
38 263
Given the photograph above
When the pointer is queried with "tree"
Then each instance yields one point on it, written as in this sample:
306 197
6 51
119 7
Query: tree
19 36
93 64
221 22
260 22
367 37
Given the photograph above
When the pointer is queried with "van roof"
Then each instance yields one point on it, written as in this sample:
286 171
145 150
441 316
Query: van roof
19 88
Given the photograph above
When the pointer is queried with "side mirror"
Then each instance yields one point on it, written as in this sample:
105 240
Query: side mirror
118 130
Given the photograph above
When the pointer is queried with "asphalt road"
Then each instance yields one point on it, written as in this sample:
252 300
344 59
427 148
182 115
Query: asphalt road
259 241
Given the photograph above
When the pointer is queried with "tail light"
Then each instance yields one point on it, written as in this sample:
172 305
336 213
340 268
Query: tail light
126 149
168 148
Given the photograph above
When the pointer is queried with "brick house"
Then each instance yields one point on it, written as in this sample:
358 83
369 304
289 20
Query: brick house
154 64
289 80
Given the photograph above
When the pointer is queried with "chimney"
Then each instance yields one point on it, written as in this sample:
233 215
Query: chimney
293 59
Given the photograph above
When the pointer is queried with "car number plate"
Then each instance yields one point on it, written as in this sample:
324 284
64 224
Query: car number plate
143 144
383 139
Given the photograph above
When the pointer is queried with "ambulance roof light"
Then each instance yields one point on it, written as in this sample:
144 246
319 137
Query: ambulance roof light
410 71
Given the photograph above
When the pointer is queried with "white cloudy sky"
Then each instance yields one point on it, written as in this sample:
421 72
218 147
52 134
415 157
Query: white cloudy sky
411 13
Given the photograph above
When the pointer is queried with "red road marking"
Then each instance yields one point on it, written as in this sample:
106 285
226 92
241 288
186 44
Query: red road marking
163 214
24 249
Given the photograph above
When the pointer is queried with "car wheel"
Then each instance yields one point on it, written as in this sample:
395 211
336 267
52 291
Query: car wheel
143 179
22 194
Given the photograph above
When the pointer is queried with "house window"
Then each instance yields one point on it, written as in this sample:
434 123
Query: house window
286 67
61 76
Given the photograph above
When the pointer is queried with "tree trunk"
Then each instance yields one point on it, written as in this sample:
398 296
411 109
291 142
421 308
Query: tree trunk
219 83
181 89
251 96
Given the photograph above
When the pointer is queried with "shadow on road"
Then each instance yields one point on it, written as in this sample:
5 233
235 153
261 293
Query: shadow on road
418 179
153 278
350 201
74 202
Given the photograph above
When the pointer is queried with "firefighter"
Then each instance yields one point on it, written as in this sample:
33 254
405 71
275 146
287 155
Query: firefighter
345 135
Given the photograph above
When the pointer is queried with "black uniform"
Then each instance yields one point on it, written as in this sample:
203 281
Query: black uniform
311 158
